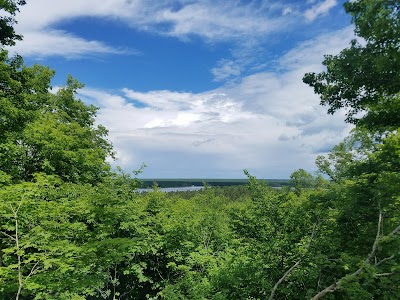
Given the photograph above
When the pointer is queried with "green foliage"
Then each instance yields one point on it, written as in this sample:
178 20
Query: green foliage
74 240
107 242
365 76
71 229
7 33
45 132
300 180
364 192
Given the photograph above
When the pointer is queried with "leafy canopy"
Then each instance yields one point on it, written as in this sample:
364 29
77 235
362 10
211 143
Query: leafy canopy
365 77
7 32
45 132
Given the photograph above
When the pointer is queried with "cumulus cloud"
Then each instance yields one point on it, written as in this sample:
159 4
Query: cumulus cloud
198 130
269 122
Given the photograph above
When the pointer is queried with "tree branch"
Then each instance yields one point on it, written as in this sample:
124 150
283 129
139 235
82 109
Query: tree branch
273 291
383 260
6 234
396 230
386 274
375 245
337 284
20 282
33 270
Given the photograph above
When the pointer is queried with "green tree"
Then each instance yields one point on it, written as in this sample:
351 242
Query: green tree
301 179
7 32
364 193
274 231
45 132
74 241
365 77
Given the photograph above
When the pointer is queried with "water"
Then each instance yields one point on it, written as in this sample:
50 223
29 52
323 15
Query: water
174 189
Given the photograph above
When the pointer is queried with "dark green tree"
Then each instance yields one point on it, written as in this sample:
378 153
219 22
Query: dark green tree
365 77
7 32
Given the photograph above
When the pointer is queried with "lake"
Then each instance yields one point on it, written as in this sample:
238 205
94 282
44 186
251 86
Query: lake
174 189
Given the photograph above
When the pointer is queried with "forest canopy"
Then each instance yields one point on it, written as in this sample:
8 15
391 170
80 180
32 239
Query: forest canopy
71 228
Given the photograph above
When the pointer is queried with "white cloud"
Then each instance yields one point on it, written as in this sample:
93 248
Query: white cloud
226 69
310 53
56 42
212 21
200 127
319 9
37 23
270 122
287 10
164 100
219 20
247 24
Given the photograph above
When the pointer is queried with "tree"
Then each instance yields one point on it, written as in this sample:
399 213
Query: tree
7 32
365 196
366 76
41 131
73 241
301 179
365 188
45 132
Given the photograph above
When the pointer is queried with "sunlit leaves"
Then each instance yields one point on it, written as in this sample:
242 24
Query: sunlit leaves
45 132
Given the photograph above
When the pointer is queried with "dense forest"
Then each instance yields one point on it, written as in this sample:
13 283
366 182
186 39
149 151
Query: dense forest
71 228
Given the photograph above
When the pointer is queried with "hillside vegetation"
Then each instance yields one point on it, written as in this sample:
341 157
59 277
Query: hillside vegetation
70 228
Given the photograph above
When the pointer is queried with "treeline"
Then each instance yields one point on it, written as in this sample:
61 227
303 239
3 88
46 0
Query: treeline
70 228
167 183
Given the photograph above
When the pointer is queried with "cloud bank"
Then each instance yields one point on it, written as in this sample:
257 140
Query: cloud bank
261 117
270 122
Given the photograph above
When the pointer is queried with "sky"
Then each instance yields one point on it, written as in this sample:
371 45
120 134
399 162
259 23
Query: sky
196 88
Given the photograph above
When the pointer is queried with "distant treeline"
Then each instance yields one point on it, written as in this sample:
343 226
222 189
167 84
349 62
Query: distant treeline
176 182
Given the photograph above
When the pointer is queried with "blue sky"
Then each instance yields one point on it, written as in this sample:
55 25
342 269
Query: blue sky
200 88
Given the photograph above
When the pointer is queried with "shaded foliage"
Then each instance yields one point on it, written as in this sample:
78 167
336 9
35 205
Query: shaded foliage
7 32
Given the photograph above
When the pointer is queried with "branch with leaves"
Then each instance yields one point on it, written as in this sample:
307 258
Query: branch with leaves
16 239
333 287
287 273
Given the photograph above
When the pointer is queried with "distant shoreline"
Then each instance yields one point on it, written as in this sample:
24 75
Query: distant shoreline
173 189
198 182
